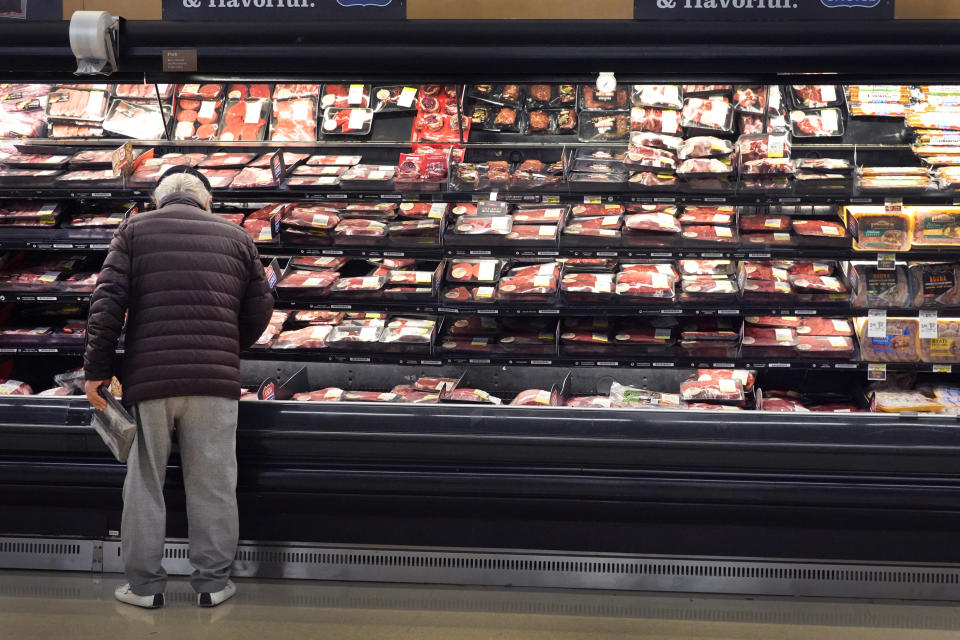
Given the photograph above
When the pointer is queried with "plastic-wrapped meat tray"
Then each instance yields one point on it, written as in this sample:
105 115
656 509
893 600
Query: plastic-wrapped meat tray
77 106
100 177
27 177
198 119
133 120
253 178
220 178
245 120
307 283
35 161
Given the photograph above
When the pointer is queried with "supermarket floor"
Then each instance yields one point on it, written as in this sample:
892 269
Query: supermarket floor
81 607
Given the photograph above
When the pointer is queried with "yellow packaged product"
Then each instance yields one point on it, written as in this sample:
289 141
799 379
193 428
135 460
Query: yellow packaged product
935 226
900 401
876 229
945 348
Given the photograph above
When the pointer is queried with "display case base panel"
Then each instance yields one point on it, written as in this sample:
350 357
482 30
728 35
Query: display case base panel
745 576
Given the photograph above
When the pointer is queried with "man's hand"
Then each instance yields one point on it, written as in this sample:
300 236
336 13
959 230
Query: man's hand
92 387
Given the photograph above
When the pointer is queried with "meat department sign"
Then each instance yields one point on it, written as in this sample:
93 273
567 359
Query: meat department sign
763 9
283 10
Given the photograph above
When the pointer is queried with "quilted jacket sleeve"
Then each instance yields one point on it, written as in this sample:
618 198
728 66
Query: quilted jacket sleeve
108 308
257 302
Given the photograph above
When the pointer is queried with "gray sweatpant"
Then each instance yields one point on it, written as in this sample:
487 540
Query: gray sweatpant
207 436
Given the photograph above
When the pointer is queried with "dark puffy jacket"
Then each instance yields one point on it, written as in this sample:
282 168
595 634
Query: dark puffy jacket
195 293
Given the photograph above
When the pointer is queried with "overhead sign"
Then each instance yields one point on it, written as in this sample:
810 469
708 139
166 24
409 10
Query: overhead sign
283 10
31 9
736 10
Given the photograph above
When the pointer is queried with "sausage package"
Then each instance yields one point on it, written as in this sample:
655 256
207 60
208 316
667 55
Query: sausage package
935 285
945 348
878 289
900 344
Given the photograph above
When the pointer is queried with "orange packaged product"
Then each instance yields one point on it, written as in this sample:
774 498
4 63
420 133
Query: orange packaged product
876 229
935 226
945 348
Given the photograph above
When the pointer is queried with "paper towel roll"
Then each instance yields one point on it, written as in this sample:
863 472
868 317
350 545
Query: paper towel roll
89 33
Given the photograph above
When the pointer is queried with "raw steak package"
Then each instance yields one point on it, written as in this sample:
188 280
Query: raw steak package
711 114
818 228
587 286
662 96
462 295
712 388
825 327
935 285
817 284
312 337
776 340
533 398
307 283
825 346
815 96
881 289
704 328
77 106
785 405
767 223
707 267
707 215
710 233
817 123
657 286
651 222
899 344
644 333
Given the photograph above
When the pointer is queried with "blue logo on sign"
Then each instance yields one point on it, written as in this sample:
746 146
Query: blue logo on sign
866 4
368 3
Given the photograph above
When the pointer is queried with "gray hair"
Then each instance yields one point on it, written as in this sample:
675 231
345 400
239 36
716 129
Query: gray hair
181 183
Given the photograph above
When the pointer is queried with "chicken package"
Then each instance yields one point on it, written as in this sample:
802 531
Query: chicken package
705 147
881 289
706 328
825 346
825 327
652 222
899 344
707 215
818 228
945 348
936 226
533 398
706 386
935 285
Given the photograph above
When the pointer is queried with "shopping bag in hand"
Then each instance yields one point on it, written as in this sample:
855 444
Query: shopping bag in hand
116 426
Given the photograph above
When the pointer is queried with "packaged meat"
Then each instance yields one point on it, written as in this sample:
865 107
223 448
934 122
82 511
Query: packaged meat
543 96
746 377
900 344
875 229
533 232
945 348
897 183
665 268
881 289
707 113
935 226
420 228
818 228
663 121
767 223
662 96
474 326
312 337
220 178
819 123
750 99
288 91
349 336
615 100
778 337
783 405
597 126
774 321
77 106
318 283
834 165
645 333
340 161
36 160
441 385
814 96
527 286
766 290
395 98
533 398
901 401
705 167
707 387
294 120
704 286
200 91
484 225
721 329
133 120
835 408
709 348
817 284
758 147
825 346
806 267
462 295
259 230
656 140
769 166
634 397
707 267
474 270
540 215
645 285
656 222
707 89
704 406
253 178
935 285
342 95
588 283
709 233
329 394
704 147
478 396
347 121
360 228
707 215
313 217
649 158
825 327
89 177
423 210
317 317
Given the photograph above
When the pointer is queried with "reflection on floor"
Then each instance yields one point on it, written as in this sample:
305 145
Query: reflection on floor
81 607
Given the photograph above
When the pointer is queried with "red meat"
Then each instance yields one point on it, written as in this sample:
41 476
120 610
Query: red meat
825 345
825 327
533 398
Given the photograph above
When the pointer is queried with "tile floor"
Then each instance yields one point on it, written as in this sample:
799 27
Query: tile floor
81 606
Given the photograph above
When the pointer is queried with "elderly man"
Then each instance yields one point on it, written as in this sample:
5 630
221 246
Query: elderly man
193 292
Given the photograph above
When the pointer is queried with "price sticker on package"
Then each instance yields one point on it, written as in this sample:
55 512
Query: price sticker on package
407 96
355 95
877 372
928 325
877 323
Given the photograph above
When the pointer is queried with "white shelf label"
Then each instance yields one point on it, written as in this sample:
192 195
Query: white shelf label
877 323
928 325
877 372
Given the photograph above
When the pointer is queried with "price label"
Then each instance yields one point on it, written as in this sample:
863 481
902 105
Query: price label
493 196
877 323
592 200
943 368
877 372
254 109
886 261
357 120
207 110
407 96
831 120
893 205
355 96
928 325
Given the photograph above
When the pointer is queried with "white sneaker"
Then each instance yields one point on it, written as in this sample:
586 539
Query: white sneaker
217 597
126 595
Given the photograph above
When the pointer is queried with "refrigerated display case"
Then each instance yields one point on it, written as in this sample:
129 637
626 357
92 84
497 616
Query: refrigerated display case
511 308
